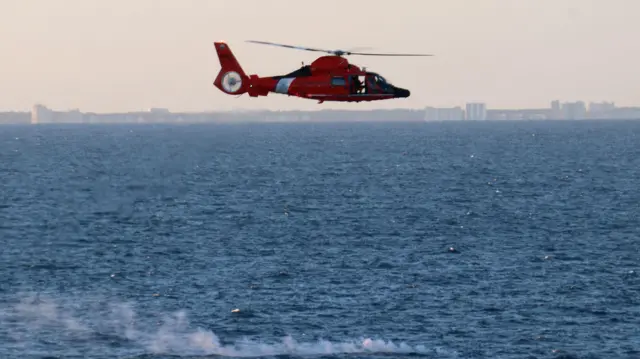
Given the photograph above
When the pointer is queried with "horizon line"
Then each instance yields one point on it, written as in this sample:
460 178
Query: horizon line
240 110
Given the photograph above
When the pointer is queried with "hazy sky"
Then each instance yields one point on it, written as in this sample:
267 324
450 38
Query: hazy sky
121 55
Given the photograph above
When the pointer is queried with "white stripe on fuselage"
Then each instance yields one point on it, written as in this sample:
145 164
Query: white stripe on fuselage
283 85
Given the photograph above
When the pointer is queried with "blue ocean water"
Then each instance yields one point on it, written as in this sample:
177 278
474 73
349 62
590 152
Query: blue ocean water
352 240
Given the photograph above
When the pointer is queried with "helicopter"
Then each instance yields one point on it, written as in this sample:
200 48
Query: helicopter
328 78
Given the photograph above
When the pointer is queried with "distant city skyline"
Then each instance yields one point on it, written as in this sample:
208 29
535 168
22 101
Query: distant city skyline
464 105
470 112
122 55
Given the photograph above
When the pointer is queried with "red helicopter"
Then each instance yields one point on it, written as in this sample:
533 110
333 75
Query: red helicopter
328 78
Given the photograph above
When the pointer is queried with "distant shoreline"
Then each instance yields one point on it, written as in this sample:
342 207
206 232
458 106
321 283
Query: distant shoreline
472 113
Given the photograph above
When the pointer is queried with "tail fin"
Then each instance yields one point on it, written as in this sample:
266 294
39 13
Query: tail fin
231 79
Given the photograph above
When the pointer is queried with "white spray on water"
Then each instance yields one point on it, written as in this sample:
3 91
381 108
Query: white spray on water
33 318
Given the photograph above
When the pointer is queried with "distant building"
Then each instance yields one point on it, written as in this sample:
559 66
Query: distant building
514 115
574 110
556 110
159 110
601 110
601 106
443 114
624 113
14 117
476 111
41 114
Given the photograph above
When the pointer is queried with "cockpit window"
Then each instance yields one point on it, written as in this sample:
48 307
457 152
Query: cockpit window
379 80
383 80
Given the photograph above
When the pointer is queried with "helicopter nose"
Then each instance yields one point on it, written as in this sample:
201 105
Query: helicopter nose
400 92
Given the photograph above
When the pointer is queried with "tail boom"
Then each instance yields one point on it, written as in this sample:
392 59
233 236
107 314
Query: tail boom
233 80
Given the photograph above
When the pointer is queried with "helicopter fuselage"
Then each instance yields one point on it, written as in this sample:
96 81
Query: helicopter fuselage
328 78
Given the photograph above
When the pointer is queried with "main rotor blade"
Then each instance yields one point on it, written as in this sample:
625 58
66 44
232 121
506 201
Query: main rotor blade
378 54
359 48
289 46
334 52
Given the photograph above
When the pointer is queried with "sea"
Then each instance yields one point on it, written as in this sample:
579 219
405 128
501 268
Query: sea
512 239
